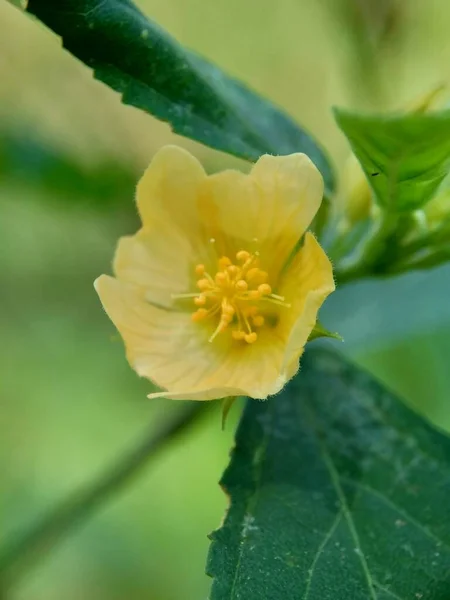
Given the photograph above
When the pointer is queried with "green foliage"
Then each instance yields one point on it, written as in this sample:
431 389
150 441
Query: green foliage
153 72
405 157
39 166
337 492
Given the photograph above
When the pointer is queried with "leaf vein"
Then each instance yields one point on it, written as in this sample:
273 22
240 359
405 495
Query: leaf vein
319 552
334 478
348 517
372 491
387 591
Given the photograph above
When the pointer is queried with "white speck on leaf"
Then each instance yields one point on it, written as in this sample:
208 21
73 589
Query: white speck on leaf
248 526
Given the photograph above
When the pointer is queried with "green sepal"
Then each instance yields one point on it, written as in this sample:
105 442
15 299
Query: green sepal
320 331
227 403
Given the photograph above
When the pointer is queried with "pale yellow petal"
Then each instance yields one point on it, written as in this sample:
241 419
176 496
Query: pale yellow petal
172 204
292 183
169 190
207 394
173 352
267 210
161 261
306 283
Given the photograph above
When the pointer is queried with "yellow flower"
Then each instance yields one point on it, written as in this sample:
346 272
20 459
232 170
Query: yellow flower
208 296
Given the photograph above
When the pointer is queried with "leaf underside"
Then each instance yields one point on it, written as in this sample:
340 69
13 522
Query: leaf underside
338 491
405 157
151 71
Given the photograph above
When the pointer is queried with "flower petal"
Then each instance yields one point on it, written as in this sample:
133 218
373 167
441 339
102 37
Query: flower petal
295 183
169 191
270 208
306 283
173 352
160 261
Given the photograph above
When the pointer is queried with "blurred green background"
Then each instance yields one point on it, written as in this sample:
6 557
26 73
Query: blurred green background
70 155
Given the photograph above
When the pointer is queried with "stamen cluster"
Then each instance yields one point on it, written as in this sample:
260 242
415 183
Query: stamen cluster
234 295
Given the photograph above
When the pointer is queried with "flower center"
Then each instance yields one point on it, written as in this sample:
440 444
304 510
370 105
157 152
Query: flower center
234 296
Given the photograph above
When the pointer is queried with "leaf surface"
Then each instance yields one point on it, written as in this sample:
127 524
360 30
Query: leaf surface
338 492
405 157
151 71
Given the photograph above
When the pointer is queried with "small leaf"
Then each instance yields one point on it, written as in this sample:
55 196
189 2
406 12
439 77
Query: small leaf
405 157
338 492
153 72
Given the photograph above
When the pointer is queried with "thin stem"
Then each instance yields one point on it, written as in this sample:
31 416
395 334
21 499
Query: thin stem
80 505
430 239
425 262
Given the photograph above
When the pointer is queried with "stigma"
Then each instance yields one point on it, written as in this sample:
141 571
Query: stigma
233 296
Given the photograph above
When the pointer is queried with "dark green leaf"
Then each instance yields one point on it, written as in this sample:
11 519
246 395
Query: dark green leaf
405 157
153 72
338 492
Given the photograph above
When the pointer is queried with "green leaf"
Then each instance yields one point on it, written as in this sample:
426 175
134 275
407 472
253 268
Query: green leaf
153 72
338 492
405 157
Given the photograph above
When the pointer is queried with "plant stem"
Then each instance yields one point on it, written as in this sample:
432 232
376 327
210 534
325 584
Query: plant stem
80 505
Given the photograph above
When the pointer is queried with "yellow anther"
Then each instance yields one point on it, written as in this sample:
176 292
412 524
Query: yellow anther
237 334
230 298
224 262
256 275
254 294
228 310
251 338
258 320
221 278
199 314
263 276
264 289
241 285
243 255
203 284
